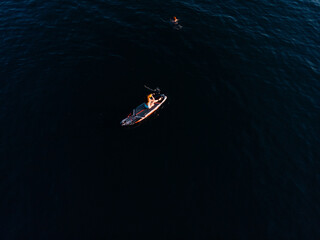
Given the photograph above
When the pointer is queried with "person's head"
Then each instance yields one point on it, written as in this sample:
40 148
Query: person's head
175 18
149 96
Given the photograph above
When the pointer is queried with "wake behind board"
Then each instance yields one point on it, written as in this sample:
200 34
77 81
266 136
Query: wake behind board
142 112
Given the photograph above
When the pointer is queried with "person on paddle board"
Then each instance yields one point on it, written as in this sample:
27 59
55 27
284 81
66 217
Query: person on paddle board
150 101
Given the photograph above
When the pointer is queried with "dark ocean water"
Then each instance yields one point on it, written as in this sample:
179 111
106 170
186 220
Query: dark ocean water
234 154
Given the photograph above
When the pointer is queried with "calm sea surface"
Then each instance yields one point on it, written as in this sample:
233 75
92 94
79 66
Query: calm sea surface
234 153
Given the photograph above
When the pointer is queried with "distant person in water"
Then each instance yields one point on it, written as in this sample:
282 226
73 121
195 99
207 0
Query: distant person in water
175 20
150 101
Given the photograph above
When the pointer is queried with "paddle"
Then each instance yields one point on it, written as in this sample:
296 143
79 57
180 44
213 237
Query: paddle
157 90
